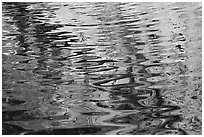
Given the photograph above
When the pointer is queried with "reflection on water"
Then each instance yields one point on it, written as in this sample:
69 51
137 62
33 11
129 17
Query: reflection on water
101 68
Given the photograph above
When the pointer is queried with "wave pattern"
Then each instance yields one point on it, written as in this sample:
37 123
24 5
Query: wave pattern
101 68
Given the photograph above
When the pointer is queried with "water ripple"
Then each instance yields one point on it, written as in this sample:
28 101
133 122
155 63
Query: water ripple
101 68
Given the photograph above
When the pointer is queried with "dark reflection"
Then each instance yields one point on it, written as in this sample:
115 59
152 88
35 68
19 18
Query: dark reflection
100 68
8 129
76 131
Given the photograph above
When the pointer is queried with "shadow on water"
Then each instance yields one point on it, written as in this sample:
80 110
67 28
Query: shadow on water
100 68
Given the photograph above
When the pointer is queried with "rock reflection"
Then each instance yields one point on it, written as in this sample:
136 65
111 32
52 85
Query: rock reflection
101 68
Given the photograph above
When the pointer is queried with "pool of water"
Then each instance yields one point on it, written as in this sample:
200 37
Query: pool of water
101 68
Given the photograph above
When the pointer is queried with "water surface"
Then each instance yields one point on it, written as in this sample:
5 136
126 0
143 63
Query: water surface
101 68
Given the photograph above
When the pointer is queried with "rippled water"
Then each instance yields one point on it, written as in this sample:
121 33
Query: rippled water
101 68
